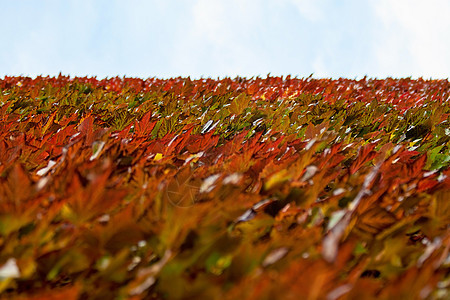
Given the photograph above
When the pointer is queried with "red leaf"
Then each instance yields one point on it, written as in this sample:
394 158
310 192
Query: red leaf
415 169
144 127
426 185
365 155
86 128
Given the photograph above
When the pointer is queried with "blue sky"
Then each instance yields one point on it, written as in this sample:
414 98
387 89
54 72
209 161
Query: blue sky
218 38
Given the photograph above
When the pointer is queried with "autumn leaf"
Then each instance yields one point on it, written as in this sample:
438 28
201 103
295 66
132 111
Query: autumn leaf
244 188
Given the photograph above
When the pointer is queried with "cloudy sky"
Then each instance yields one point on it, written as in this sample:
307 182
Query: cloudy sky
218 38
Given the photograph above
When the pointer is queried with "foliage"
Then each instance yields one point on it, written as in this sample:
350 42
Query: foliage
273 188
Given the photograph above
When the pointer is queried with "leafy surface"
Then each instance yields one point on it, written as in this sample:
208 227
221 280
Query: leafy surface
261 188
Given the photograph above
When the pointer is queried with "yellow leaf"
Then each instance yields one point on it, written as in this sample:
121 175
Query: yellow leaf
49 122
277 178
67 212
239 104
27 267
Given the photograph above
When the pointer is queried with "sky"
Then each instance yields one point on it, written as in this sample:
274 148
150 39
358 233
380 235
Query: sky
225 38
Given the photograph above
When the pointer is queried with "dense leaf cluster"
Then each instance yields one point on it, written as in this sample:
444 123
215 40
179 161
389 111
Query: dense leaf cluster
260 188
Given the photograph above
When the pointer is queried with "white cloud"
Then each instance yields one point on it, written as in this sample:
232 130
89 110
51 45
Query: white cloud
52 38
413 38
319 67
221 39
166 38
310 9
210 21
